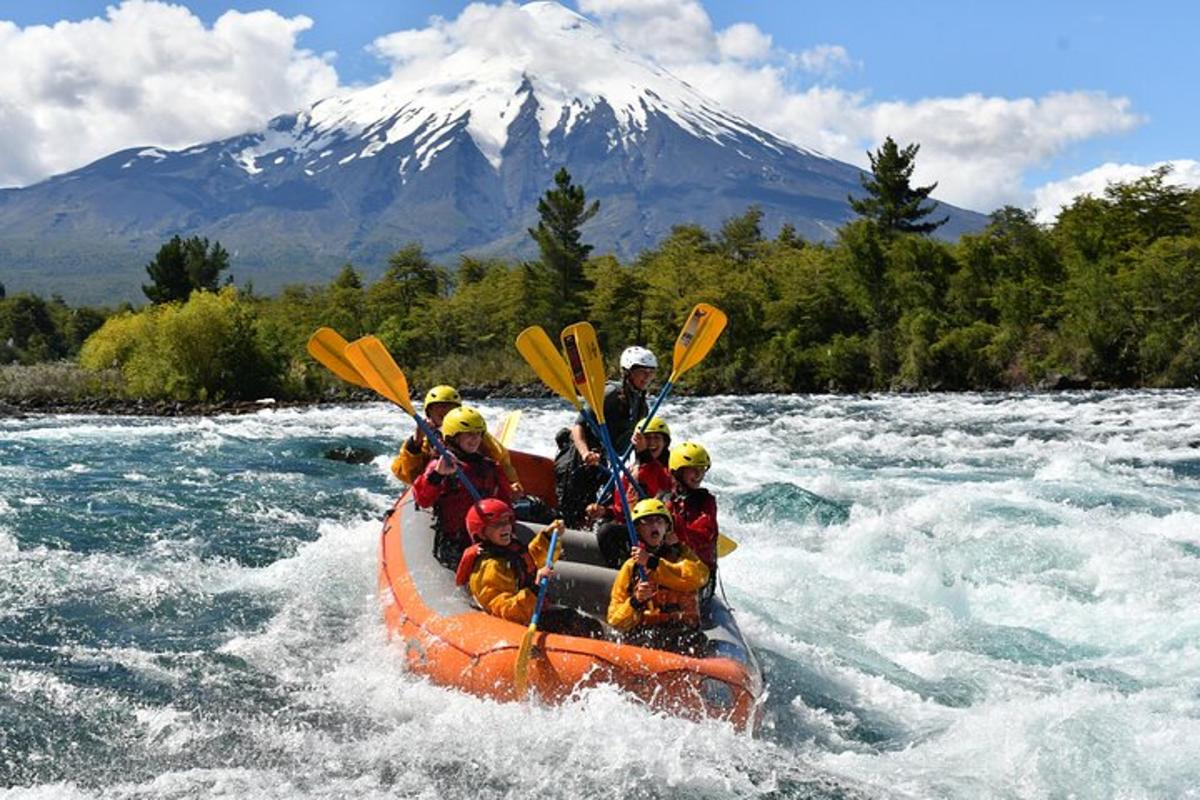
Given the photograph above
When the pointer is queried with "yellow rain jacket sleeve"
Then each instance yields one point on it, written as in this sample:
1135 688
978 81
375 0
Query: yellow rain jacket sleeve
499 453
494 584
410 463
675 580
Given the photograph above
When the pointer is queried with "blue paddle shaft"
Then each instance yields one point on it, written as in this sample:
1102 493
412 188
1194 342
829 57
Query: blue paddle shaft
606 440
441 448
620 469
544 582
612 478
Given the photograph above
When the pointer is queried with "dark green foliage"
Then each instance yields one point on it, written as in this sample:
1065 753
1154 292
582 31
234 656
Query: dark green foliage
183 266
562 211
892 202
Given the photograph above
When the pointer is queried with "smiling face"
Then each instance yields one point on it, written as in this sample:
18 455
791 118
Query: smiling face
652 530
468 442
691 477
656 443
640 377
499 532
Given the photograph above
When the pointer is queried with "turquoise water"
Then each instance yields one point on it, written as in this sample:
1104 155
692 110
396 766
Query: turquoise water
952 596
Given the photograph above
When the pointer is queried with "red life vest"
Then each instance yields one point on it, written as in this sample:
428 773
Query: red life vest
450 500
516 555
655 480
695 516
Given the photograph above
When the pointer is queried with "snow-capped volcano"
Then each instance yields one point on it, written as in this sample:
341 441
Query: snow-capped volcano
452 150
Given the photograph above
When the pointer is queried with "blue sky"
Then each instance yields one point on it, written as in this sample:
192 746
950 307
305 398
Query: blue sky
967 80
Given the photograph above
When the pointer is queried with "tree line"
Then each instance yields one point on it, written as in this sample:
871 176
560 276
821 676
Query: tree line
1108 296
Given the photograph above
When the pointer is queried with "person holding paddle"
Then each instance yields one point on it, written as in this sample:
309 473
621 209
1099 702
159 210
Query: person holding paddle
693 507
655 599
440 488
651 448
577 469
416 452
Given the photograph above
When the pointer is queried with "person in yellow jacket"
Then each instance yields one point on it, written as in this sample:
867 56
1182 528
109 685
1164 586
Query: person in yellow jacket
503 574
661 607
416 453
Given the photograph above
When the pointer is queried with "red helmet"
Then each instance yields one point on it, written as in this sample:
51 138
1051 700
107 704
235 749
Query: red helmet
487 512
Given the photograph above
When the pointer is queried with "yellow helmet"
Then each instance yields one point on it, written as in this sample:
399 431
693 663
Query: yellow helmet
650 507
463 420
689 454
443 394
656 425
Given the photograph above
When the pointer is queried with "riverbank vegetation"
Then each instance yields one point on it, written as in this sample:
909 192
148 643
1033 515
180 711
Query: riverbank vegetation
1106 296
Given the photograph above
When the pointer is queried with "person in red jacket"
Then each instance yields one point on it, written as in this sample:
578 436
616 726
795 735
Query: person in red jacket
652 449
693 507
439 488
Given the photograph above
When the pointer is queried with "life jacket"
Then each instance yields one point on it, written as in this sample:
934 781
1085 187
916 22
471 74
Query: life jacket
669 605
655 480
695 517
451 501
516 556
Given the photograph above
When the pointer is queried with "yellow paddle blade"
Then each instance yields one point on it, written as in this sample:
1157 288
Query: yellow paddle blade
587 365
725 545
371 358
508 428
521 672
328 348
544 358
701 331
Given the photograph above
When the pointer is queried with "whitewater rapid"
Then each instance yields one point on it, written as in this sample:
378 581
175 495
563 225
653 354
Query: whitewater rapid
952 596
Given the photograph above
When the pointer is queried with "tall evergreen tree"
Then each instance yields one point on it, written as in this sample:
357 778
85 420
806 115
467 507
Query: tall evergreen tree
2 292
563 210
892 202
182 266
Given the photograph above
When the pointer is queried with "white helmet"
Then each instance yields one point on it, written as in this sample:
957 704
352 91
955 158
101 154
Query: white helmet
638 357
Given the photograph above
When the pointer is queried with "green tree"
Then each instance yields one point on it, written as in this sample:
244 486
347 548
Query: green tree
182 266
892 202
562 211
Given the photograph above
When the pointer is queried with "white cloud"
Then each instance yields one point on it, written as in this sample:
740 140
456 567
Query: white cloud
1052 197
824 59
146 73
744 42
977 148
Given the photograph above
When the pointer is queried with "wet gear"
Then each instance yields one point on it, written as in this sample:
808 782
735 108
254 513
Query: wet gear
462 420
695 513
677 575
502 579
451 501
443 394
637 356
690 454
488 511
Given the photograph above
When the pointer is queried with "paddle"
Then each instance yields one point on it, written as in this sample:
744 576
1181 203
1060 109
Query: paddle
374 363
546 361
698 335
587 373
521 672
328 347
508 428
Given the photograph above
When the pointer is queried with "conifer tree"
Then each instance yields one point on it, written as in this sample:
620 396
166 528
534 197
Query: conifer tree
182 266
563 210
892 202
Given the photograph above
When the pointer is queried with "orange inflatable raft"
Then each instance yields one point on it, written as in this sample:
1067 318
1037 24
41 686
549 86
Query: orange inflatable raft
447 638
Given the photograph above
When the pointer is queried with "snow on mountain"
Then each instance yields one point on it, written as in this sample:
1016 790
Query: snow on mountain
452 152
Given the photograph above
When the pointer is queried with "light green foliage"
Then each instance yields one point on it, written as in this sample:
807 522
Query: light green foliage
205 349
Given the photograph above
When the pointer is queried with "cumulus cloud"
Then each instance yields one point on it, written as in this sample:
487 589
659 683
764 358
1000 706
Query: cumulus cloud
977 148
146 73
1052 197
824 59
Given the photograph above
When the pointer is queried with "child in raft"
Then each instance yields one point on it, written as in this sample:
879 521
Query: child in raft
693 508
655 599
503 574
652 449
416 453
439 488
